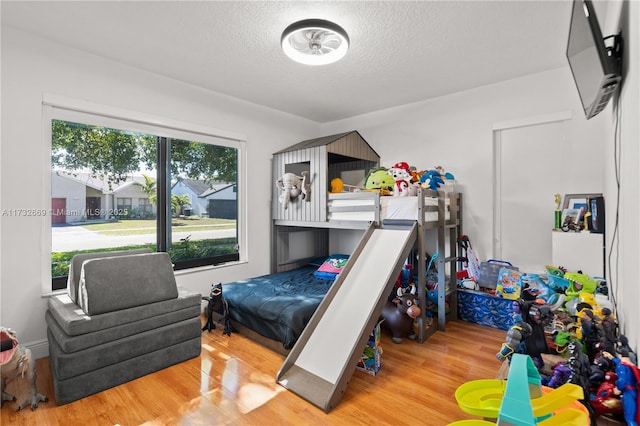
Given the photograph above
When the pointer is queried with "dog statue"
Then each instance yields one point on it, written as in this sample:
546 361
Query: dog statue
17 361
219 305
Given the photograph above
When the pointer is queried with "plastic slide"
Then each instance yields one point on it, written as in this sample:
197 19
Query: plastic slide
323 359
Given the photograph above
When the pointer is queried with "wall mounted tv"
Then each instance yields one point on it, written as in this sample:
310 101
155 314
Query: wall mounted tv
596 68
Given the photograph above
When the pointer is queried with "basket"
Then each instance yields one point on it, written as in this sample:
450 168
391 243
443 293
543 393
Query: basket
489 271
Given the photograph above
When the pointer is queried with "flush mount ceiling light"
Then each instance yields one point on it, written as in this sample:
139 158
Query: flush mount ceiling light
314 42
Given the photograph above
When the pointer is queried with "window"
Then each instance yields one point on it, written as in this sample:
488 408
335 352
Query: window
115 187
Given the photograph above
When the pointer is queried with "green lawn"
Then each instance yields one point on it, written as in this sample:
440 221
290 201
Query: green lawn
135 226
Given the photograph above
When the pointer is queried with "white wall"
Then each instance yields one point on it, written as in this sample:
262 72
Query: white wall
32 67
455 131
625 256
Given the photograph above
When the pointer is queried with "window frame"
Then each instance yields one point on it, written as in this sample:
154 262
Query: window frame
56 107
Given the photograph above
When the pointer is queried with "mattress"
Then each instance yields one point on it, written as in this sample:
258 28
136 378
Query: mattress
405 208
277 306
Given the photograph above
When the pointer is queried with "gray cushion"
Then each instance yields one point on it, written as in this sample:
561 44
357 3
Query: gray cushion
75 363
75 322
76 266
113 283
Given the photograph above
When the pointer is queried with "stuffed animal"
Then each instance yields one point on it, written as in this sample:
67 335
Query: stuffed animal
379 180
17 361
399 315
432 179
402 178
219 305
337 186
293 186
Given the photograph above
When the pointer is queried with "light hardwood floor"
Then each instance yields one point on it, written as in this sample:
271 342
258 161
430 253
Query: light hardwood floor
232 382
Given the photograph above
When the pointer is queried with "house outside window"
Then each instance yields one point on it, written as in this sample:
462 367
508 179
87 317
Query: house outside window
123 207
101 165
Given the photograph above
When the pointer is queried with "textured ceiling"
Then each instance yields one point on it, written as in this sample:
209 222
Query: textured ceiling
401 52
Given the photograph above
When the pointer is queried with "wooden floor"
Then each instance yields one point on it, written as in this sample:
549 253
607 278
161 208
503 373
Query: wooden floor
233 383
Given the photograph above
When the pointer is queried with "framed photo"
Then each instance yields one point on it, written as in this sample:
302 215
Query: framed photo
578 201
570 218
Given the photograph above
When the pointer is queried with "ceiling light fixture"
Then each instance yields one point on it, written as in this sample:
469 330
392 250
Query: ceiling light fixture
314 42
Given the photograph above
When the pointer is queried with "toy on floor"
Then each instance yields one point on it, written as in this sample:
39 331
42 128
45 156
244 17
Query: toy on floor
610 328
579 364
520 400
627 385
591 331
219 305
17 361
399 315
623 343
604 400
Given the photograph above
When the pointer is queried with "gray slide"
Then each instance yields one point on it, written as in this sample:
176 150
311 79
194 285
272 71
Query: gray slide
319 366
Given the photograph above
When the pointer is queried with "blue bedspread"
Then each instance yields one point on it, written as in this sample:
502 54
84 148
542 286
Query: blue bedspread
277 306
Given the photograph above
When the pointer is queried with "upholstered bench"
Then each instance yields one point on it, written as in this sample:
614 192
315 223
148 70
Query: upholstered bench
123 317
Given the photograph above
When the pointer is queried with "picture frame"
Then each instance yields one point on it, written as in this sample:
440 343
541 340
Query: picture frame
570 217
577 201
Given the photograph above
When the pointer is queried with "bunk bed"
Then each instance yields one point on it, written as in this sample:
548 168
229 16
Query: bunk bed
314 217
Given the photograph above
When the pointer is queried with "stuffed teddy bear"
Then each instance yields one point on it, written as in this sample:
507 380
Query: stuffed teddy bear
402 177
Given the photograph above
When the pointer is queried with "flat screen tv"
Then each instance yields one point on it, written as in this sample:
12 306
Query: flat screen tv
596 68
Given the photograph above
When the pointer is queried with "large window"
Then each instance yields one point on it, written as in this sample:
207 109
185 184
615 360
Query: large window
114 187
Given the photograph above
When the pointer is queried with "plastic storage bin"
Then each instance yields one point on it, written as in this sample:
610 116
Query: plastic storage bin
489 271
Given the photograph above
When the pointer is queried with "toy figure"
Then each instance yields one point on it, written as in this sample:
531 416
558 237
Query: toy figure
17 361
219 305
626 385
402 177
623 343
592 332
561 373
598 371
605 401
579 365
515 341
610 328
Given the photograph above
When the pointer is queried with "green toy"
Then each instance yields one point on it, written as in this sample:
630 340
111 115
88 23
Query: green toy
379 180
579 283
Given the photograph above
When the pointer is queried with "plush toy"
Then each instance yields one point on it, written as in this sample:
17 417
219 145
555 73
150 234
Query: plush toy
445 175
379 180
401 177
337 186
17 361
432 179
293 186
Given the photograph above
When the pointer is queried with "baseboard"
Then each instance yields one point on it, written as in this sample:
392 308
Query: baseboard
39 348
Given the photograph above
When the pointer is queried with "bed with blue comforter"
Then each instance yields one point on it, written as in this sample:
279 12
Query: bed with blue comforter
277 306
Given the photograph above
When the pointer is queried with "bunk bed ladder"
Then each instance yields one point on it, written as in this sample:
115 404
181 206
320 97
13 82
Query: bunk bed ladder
321 363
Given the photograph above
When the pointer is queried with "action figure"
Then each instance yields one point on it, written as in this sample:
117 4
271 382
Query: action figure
561 373
626 385
623 343
217 304
610 328
579 365
605 401
592 332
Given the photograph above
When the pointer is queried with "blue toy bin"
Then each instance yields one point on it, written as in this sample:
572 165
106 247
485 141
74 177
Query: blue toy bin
485 309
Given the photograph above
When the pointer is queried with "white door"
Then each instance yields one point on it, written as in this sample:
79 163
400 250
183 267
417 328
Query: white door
528 159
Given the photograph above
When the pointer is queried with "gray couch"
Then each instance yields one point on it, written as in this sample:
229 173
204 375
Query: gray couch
123 317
